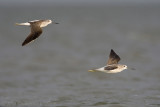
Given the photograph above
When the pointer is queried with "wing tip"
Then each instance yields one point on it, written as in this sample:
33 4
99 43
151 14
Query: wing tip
112 51
113 58
24 43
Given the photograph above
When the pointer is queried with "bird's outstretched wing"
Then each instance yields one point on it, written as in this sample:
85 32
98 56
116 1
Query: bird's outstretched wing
36 31
113 58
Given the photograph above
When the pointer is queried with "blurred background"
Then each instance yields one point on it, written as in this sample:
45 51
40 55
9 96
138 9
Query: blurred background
53 70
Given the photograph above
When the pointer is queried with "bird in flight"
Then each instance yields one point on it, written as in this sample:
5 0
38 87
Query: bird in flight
112 64
36 29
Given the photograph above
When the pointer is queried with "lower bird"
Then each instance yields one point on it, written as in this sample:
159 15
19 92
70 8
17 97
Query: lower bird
36 29
112 64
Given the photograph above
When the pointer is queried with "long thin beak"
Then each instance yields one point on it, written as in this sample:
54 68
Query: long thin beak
56 23
131 68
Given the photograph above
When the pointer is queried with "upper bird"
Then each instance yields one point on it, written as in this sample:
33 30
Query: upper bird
112 64
36 29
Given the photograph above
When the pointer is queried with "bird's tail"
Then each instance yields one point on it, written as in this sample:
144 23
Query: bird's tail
26 24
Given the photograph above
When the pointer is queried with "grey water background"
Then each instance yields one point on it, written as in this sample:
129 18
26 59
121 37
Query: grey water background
53 70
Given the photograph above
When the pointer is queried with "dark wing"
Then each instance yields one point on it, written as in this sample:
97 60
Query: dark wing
113 58
36 31
110 67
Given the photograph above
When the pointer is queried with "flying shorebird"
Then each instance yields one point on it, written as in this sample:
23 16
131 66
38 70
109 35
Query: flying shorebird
112 64
36 29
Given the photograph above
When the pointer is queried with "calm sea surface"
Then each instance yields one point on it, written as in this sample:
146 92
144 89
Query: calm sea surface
53 70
